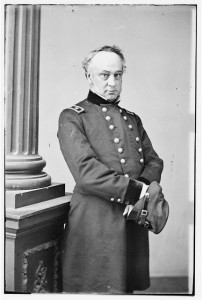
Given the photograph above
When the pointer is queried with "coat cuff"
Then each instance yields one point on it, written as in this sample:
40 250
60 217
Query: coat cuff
142 179
133 192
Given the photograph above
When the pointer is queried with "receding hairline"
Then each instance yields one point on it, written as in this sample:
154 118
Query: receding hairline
99 57
110 49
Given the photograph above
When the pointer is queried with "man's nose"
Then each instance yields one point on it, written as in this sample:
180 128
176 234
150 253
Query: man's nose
111 80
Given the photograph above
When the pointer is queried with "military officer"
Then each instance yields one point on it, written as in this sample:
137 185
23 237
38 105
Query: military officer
112 161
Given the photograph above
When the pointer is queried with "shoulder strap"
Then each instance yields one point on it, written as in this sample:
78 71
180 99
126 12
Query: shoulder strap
77 109
130 112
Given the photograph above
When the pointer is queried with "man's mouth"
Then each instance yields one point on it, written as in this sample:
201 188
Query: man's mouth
111 92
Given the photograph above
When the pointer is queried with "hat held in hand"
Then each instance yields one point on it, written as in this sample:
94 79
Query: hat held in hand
152 210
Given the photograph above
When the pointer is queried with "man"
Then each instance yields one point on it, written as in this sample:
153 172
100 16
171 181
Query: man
113 162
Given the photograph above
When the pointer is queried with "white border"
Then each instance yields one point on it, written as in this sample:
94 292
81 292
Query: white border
198 182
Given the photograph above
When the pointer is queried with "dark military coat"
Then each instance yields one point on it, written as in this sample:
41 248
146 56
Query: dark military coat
109 155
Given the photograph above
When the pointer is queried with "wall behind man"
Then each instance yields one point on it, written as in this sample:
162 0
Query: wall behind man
159 86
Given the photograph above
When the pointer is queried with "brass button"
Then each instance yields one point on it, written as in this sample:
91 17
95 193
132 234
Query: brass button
126 175
123 161
120 150
140 149
112 199
125 118
130 126
116 140
120 110
137 139
108 118
119 200
104 109
141 160
111 127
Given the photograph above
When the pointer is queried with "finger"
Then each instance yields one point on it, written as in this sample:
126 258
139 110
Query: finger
130 209
125 211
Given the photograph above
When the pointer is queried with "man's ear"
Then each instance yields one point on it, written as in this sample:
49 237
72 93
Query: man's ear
88 76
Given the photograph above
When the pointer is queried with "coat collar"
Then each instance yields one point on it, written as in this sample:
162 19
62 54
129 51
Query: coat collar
96 99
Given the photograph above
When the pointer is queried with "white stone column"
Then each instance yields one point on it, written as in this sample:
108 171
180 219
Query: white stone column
23 163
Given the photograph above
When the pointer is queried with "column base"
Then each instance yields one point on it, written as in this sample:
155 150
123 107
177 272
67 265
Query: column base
16 163
27 181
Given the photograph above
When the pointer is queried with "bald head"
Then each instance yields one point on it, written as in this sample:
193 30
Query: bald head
106 60
114 49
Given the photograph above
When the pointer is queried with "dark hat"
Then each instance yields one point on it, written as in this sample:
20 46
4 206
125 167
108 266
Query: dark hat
152 210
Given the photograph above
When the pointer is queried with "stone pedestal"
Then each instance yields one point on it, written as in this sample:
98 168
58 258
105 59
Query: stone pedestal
33 246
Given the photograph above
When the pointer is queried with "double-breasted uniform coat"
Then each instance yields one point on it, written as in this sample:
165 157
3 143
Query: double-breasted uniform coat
109 155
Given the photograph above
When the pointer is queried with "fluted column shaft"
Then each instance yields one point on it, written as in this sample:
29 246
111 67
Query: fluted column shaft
23 163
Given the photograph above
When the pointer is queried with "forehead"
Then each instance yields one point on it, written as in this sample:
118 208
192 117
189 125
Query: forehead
106 61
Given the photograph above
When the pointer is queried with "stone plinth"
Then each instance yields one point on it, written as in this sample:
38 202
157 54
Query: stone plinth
20 198
33 235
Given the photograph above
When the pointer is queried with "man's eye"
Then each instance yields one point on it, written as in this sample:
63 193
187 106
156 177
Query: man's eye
118 76
105 76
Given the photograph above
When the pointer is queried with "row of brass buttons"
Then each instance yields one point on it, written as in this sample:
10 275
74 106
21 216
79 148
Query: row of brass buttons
116 141
137 138
118 200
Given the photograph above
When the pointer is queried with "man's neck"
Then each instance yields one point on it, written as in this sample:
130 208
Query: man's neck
98 95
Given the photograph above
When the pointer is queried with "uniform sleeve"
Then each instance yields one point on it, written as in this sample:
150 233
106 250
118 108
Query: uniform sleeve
153 163
92 176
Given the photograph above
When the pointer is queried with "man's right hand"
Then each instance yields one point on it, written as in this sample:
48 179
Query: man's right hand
128 210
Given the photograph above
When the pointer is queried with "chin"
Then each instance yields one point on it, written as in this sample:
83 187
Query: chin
112 98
